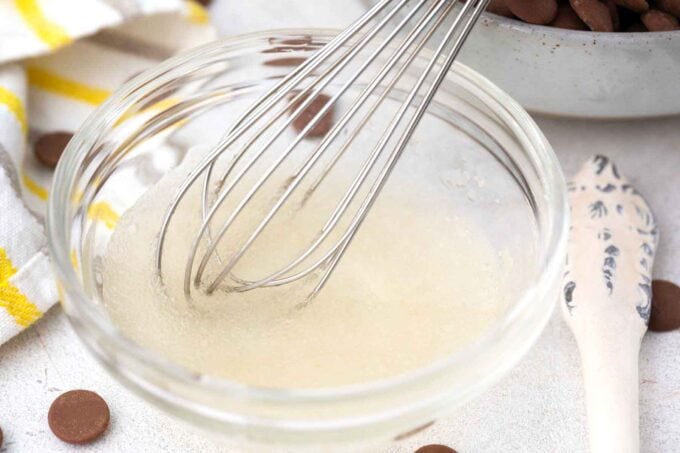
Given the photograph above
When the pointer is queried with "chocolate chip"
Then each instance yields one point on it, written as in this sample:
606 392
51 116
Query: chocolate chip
0 437
665 314
204 2
304 41
568 19
286 61
307 115
656 20
597 15
78 416
435 449
539 12
669 6
594 13
639 6
49 147
499 7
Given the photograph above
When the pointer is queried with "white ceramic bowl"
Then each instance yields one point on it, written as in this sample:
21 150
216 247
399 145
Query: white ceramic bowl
577 73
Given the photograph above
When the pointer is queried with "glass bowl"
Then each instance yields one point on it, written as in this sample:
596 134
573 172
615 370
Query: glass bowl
512 184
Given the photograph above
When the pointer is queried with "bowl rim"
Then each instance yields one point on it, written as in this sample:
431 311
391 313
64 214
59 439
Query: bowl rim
84 315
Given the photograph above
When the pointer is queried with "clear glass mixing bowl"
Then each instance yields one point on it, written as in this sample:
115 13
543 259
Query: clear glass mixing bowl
145 129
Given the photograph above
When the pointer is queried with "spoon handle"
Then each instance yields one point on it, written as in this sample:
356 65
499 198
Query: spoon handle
610 371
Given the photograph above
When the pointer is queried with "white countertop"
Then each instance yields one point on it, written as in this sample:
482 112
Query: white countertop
538 407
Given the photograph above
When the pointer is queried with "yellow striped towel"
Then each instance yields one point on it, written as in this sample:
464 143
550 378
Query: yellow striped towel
59 59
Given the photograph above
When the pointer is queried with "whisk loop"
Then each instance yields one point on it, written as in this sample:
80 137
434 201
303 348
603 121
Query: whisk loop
378 54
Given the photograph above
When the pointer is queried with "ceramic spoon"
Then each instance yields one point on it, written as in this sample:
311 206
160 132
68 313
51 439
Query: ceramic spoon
607 297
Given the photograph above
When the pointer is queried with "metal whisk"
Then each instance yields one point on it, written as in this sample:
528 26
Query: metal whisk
259 154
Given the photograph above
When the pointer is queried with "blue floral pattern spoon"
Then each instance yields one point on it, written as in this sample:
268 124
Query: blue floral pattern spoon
607 297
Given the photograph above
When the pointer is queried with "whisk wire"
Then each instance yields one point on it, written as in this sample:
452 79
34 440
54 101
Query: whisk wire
260 119
270 280
225 192
258 109
408 133
311 160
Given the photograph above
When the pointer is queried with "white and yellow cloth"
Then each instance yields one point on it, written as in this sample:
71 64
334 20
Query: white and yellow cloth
59 59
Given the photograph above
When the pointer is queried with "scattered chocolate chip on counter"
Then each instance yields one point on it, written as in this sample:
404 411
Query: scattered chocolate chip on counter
665 314
540 12
594 15
78 416
434 448
307 115
49 147
204 2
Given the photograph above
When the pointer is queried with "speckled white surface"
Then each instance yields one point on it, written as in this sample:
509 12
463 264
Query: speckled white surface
537 408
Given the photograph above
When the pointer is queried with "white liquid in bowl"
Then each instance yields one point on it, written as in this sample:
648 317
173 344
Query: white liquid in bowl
420 281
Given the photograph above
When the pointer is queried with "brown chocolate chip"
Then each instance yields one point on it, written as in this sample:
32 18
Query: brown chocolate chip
540 12
0 437
614 13
286 61
304 41
568 19
594 13
665 314
78 416
669 6
639 6
656 20
499 7
304 118
49 147
204 2
434 448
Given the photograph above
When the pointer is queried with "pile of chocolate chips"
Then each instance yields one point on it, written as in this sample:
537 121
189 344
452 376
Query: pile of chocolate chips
595 15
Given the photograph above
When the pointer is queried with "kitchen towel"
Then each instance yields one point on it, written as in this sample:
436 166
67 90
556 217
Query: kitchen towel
59 59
